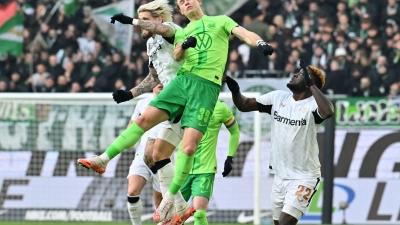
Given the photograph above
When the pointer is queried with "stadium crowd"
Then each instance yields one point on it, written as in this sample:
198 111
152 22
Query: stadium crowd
355 42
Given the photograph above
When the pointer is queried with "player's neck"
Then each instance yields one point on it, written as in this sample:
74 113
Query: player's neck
196 15
301 95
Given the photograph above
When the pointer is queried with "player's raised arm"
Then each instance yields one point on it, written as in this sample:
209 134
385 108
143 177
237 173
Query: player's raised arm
152 26
233 129
147 84
325 107
252 39
243 103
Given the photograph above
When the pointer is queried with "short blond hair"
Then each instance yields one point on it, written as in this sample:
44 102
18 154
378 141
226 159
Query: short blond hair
158 8
319 74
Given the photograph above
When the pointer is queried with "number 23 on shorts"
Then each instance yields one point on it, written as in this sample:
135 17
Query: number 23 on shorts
304 192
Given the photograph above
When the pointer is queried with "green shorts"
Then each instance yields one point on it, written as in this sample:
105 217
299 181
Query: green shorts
192 96
198 185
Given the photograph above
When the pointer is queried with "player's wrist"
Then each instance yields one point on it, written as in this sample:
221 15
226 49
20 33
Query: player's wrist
135 22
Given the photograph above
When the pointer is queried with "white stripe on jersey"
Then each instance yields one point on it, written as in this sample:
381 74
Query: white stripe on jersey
294 147
160 53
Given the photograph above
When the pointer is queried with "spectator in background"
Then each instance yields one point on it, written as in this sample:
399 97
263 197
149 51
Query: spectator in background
344 64
233 70
334 79
54 68
3 86
39 78
258 26
48 85
75 88
87 44
16 84
62 84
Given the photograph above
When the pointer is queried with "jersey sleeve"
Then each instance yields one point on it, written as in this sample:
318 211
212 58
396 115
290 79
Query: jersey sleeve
229 24
265 102
227 116
318 119
175 28
136 112
179 36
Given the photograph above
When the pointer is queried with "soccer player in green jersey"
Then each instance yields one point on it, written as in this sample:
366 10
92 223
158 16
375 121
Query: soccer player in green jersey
200 181
192 95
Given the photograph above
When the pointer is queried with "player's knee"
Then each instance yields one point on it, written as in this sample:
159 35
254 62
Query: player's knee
189 149
133 191
144 122
200 215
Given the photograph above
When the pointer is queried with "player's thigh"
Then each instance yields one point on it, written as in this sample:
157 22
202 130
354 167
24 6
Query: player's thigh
162 150
186 188
171 132
151 117
148 152
172 98
203 185
138 175
135 184
277 197
202 97
200 202
299 193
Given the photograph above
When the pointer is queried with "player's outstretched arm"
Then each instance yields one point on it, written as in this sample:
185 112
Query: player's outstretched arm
325 107
243 103
233 129
147 84
153 27
252 39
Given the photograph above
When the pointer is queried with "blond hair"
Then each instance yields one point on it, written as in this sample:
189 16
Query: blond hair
319 74
158 8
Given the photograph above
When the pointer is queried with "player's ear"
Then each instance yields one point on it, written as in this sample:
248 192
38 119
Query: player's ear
200 2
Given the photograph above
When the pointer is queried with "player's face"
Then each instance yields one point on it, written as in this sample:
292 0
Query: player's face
297 82
157 89
147 16
187 7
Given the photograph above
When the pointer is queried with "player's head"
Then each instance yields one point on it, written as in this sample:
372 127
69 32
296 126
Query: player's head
297 84
158 11
158 88
187 7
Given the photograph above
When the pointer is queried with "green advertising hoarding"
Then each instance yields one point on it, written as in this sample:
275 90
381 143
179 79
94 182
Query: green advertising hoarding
367 113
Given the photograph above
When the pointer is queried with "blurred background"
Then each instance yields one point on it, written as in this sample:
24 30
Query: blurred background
69 46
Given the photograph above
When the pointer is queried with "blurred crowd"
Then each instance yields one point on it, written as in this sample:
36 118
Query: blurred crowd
355 42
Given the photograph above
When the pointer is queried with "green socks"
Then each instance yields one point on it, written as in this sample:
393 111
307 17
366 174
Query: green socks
200 217
125 140
183 167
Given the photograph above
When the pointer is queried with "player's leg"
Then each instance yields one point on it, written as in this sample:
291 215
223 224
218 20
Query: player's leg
277 198
202 189
151 117
297 198
137 178
200 98
157 196
168 139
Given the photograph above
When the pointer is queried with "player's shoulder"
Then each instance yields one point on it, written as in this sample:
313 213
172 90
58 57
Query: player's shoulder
277 93
172 24
220 105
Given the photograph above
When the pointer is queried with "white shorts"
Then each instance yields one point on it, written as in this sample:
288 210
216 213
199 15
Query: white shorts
139 167
295 193
169 132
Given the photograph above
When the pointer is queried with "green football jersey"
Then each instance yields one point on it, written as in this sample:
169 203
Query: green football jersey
205 159
208 58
